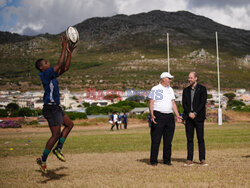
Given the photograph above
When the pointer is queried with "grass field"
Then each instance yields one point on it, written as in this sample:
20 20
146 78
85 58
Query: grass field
100 158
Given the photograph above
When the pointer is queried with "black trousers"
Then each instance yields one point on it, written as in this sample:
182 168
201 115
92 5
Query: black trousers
199 126
165 127
117 126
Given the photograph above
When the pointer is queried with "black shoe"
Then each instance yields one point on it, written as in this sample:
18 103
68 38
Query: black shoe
167 163
153 163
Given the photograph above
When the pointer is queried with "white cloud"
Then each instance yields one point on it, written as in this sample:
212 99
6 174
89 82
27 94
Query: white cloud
234 17
218 3
2 3
55 16
138 6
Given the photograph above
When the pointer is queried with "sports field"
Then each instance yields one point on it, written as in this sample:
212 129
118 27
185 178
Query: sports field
97 157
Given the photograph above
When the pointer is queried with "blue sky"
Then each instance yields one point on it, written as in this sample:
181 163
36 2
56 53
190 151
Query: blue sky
33 17
8 21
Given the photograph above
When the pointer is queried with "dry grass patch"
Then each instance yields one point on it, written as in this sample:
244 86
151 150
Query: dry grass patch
227 168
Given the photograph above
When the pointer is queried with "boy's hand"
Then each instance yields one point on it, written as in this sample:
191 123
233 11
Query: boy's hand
64 41
70 47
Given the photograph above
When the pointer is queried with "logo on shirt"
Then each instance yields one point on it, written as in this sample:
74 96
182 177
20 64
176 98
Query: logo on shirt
156 94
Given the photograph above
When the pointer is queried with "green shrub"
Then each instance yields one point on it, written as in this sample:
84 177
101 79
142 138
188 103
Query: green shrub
242 108
107 109
3 113
117 107
12 107
85 104
136 98
143 116
14 114
26 112
93 110
209 96
76 115
180 108
232 104
246 109
34 122
39 112
126 108
230 96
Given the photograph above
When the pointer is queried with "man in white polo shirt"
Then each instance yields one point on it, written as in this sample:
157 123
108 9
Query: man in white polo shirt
161 107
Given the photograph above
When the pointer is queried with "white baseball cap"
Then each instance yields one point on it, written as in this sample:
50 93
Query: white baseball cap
166 74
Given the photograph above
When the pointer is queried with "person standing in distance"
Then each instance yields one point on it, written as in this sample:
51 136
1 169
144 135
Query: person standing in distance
111 121
125 120
194 99
161 107
52 110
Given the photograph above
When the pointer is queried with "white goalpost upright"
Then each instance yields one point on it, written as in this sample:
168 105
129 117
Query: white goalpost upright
218 72
168 52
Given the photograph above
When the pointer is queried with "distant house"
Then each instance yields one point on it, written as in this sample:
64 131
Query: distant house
4 102
140 110
247 59
83 110
41 120
99 103
245 98
240 91
103 103
38 104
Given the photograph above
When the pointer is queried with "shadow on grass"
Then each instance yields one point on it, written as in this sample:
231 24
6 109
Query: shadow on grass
51 175
147 160
246 156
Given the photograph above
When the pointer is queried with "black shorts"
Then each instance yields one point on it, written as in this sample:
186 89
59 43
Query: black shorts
54 114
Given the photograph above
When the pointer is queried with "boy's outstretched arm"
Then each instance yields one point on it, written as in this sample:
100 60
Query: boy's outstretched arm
66 65
61 60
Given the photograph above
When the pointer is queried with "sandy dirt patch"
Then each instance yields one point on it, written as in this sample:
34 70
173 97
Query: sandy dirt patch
227 168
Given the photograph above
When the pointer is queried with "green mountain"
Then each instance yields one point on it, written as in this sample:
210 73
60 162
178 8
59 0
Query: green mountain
123 52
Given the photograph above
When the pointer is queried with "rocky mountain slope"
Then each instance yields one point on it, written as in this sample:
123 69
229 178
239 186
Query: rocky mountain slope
185 29
123 52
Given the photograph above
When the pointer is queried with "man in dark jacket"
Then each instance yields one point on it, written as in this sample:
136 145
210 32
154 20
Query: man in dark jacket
194 99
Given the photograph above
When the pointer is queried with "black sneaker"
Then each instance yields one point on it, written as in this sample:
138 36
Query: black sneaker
154 163
167 163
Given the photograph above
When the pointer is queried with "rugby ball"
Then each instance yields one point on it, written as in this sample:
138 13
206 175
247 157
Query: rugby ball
72 34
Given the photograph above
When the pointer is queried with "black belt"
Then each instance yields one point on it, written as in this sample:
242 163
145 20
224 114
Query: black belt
51 103
162 113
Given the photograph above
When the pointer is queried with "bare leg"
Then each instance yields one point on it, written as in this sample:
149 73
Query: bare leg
56 132
68 126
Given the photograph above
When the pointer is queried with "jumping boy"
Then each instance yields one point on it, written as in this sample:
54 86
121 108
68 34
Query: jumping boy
52 110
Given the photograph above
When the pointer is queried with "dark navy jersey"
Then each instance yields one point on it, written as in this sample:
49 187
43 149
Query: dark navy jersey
124 117
50 86
112 117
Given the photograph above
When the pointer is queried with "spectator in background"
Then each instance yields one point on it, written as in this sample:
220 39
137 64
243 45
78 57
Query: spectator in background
149 120
119 120
125 120
114 118
111 122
